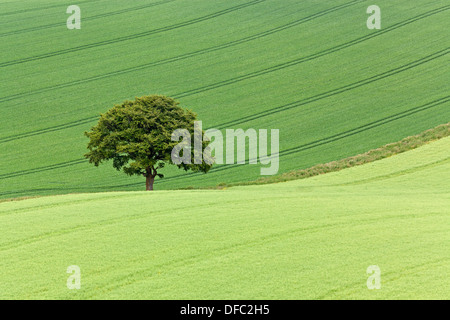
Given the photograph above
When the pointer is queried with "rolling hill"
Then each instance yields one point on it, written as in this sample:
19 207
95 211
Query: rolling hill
303 239
310 69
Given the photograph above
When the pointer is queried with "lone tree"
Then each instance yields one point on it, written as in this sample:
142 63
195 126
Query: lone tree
136 136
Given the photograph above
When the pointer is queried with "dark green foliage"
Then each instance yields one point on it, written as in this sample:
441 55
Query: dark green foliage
136 136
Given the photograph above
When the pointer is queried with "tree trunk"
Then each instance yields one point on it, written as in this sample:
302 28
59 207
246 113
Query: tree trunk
149 182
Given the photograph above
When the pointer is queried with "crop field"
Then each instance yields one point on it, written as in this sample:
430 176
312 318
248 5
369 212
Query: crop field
313 70
304 239
310 69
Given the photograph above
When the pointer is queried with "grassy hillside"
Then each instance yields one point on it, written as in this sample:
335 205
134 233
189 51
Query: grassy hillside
309 68
311 238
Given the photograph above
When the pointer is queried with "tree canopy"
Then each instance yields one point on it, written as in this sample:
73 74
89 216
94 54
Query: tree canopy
136 136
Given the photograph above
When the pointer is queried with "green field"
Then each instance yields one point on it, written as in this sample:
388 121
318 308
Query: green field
310 69
305 239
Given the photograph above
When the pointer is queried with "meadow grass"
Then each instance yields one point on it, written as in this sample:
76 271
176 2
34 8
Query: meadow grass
305 239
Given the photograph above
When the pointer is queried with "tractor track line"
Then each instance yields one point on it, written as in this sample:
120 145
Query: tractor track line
334 92
131 37
319 142
42 8
177 58
93 118
305 59
99 16
354 131
366 81
41 169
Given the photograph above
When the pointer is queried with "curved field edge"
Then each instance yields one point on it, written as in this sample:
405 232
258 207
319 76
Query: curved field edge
388 150
304 239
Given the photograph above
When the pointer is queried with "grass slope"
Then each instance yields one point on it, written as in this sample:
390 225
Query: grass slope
311 69
311 238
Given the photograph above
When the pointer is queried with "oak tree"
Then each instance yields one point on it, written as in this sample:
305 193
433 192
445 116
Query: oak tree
136 136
